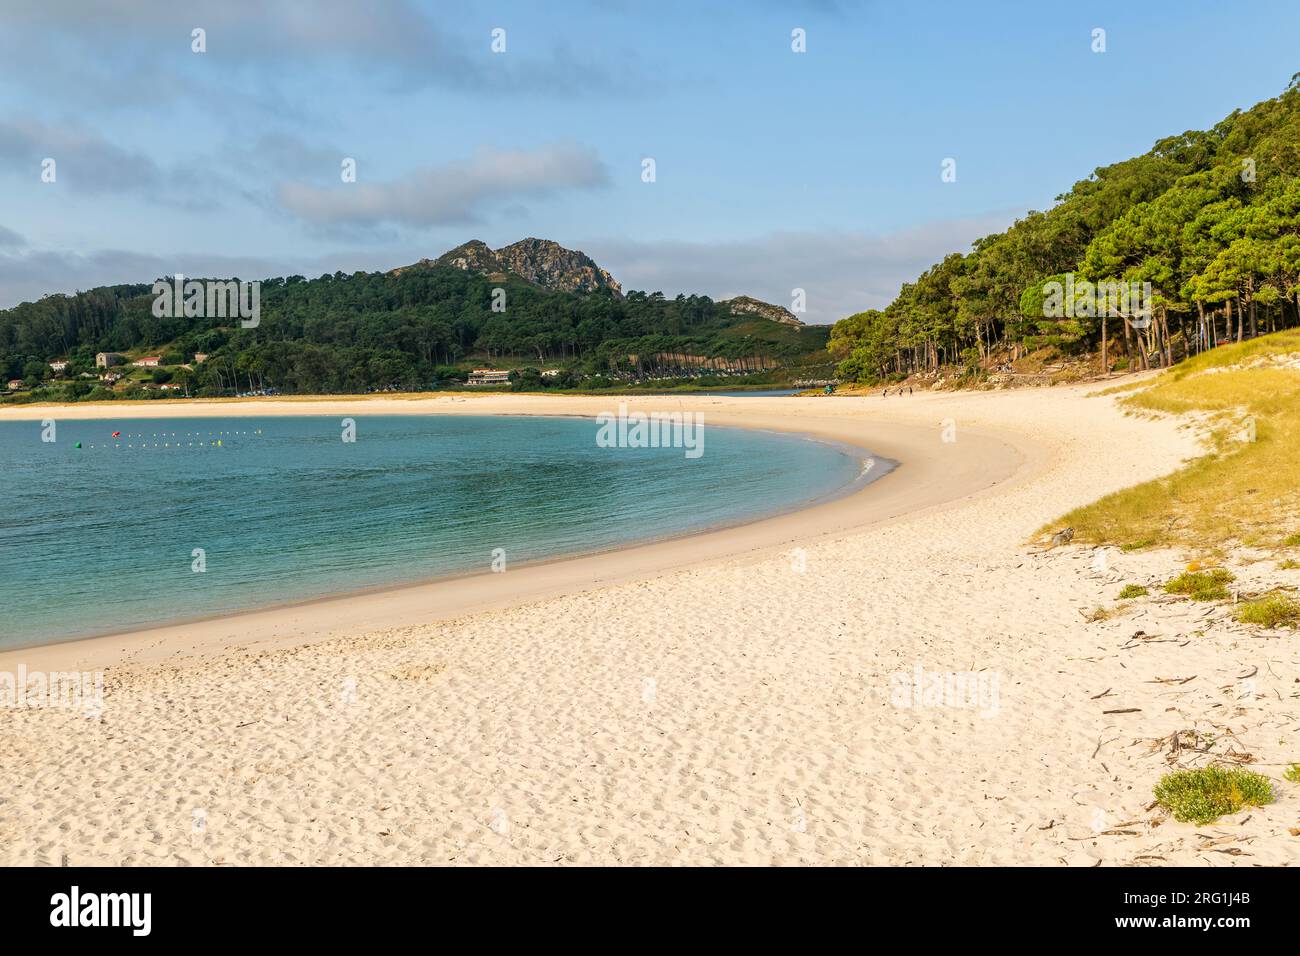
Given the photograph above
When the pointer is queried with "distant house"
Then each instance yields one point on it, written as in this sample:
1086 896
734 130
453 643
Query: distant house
108 359
200 357
147 361
59 366
550 373
489 376
15 383
111 377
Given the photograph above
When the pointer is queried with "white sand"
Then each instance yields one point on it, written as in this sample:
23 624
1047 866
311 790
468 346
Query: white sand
697 701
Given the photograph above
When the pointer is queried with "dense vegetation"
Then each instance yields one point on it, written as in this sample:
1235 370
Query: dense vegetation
1210 219
352 333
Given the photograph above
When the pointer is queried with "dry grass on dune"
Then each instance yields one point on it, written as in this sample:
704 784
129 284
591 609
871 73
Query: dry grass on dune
1244 492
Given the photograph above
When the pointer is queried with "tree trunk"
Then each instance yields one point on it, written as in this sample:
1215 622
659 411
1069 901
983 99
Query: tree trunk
1105 359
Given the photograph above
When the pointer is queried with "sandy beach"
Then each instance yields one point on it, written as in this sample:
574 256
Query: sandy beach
735 697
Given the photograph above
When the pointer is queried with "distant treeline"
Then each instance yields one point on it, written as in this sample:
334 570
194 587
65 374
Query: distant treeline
347 333
1210 219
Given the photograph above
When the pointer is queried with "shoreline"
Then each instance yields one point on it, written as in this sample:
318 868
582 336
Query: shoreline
931 481
866 477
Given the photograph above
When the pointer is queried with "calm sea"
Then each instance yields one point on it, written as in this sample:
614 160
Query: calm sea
106 536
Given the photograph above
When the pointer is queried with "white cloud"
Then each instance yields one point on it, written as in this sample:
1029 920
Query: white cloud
454 192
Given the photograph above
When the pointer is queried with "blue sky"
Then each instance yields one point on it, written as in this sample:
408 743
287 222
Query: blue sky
774 169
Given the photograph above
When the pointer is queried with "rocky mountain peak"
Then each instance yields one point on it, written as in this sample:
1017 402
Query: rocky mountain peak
748 305
549 264
541 261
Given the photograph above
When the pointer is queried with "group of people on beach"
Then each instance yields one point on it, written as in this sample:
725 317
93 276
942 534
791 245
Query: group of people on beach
900 390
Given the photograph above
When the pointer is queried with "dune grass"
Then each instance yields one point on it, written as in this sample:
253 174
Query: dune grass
1207 793
1132 591
1244 492
1202 585
1100 613
1272 610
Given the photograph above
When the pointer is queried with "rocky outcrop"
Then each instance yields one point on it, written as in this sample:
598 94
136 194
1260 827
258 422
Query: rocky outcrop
747 305
551 265
539 261
472 256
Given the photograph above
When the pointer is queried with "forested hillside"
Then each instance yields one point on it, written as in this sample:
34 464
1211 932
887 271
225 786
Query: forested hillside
1210 219
404 329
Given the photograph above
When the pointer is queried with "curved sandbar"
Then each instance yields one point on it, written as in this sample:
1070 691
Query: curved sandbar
722 710
932 473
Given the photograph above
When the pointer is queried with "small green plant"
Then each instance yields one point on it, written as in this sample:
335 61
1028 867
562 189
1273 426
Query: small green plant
1290 564
1292 773
1291 541
1207 793
1202 585
1274 610
1138 545
1133 591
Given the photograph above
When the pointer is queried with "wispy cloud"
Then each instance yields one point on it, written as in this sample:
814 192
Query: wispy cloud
840 272
452 193
87 162
252 45
10 239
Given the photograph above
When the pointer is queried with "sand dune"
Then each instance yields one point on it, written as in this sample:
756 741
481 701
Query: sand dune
718 699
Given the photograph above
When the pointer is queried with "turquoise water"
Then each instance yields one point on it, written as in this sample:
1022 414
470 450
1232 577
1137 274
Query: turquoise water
101 538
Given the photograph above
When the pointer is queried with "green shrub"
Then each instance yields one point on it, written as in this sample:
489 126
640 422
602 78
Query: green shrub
1133 591
1203 795
1292 773
1270 611
1202 585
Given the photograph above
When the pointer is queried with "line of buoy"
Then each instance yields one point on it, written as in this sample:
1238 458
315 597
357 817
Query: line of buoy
223 434
219 443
